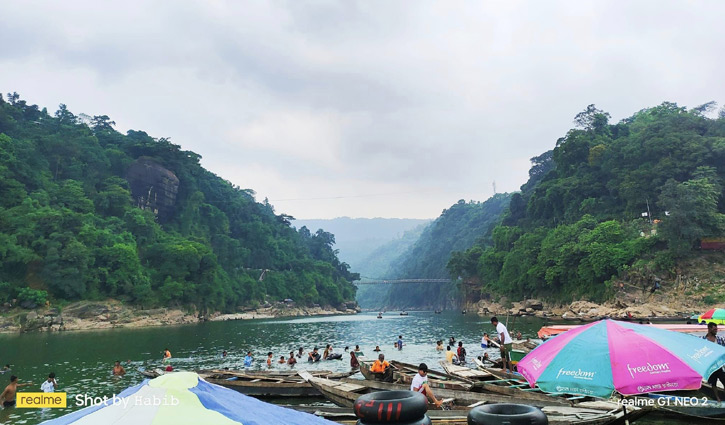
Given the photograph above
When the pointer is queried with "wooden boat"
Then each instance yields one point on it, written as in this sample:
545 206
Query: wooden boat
341 393
403 313
515 387
694 404
466 373
555 415
404 374
345 392
551 330
259 384
462 398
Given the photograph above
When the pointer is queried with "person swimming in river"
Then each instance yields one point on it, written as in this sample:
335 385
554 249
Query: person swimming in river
300 353
314 356
439 345
329 355
282 360
292 359
118 370
269 359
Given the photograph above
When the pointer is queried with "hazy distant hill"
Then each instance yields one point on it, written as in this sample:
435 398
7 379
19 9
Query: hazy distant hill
358 238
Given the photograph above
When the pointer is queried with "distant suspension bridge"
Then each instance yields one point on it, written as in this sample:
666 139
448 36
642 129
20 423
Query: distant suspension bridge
398 281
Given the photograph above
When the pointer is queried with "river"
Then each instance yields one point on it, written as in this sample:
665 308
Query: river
82 361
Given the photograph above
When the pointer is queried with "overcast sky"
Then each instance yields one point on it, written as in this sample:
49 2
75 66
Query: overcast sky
362 109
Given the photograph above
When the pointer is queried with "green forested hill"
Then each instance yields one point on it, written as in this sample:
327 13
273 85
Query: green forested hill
87 213
458 227
611 200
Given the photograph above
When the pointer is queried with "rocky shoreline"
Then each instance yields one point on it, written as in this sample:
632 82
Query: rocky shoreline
652 306
87 315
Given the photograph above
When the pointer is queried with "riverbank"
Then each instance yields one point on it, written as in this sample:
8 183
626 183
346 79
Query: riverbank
640 305
87 315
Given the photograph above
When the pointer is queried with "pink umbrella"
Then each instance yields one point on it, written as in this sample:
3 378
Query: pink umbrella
607 356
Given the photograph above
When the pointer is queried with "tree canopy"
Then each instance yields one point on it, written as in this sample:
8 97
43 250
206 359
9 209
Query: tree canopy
608 198
70 229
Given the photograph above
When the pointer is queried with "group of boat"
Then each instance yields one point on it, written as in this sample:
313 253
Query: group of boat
463 388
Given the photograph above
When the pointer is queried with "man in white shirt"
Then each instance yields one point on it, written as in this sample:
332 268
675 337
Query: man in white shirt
49 386
420 384
506 343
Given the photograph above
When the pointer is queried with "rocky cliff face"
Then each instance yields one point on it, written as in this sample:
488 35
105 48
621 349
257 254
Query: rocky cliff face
153 187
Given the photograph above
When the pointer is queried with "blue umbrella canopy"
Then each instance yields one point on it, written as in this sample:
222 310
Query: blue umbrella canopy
183 398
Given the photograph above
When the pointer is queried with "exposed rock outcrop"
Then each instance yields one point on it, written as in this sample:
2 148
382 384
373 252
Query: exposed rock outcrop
153 187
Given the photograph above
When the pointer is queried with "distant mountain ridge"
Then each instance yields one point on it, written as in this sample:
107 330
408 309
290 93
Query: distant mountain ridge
358 238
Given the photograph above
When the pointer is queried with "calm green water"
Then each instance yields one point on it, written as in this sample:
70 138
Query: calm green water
82 361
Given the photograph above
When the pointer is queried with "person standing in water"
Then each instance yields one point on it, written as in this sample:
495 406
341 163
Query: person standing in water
49 385
167 355
269 359
118 370
400 342
8 395
248 359
506 343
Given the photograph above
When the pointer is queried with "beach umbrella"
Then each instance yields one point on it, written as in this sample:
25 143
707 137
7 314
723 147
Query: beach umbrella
716 315
181 398
607 356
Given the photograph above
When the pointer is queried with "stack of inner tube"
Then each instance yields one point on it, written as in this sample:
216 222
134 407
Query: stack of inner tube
392 407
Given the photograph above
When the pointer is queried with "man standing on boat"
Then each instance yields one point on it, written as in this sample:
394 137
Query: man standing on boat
720 373
507 343
420 384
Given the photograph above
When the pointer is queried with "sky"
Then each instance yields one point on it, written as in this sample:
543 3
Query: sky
362 108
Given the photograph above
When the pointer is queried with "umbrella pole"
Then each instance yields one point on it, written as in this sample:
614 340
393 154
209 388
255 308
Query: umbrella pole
624 410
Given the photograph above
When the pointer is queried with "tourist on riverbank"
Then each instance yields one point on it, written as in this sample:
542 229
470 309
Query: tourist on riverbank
718 375
248 359
49 385
292 359
118 370
506 343
8 395
420 384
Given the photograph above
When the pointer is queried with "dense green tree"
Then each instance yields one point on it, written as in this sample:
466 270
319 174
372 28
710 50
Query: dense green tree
68 224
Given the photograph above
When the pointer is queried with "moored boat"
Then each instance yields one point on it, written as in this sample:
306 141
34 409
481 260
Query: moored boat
404 373
259 384
559 412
